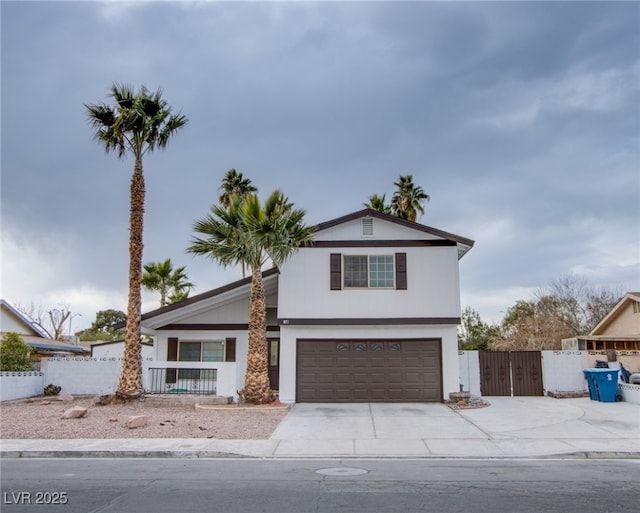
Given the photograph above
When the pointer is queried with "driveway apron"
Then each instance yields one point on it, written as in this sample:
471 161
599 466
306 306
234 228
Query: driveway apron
375 429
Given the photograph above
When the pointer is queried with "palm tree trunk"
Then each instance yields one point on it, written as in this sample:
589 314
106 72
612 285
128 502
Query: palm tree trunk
130 385
257 388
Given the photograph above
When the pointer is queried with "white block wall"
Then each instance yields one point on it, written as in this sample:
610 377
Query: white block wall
19 385
630 393
562 371
83 375
469 363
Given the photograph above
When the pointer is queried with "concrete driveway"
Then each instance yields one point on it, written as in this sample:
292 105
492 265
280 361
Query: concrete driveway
511 426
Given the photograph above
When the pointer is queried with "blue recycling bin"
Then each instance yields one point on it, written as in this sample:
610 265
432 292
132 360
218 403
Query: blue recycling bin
603 384
593 386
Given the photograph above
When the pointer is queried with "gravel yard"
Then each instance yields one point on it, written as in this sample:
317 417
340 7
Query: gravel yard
34 418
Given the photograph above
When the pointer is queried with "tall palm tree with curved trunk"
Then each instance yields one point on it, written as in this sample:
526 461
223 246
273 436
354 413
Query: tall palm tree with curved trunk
173 284
408 199
250 231
136 124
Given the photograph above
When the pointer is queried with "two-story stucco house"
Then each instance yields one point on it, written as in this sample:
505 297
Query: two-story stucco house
368 312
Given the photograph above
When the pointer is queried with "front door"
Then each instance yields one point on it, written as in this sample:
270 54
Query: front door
274 362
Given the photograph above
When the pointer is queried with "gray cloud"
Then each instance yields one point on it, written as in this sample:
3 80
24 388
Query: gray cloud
520 120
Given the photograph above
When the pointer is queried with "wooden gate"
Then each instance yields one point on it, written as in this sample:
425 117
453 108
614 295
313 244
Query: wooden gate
526 372
505 373
495 378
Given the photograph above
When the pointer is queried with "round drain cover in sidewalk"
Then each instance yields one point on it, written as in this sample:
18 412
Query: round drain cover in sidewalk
341 471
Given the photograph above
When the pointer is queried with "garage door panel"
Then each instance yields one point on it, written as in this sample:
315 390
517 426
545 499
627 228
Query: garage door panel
369 370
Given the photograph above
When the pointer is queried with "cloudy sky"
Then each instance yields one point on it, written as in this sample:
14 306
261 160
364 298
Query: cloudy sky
521 120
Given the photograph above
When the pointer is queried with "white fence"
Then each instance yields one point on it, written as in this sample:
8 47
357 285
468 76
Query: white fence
98 376
83 375
16 385
561 370
630 393
469 364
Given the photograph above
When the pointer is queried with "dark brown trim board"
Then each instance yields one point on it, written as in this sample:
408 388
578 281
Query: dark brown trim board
395 321
212 327
380 243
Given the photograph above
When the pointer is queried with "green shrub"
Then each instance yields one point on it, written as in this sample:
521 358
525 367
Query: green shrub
15 355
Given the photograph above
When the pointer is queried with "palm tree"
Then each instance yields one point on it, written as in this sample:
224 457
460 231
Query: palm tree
255 233
378 203
172 284
136 124
408 199
234 185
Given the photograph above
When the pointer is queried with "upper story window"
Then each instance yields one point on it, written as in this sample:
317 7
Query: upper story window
368 271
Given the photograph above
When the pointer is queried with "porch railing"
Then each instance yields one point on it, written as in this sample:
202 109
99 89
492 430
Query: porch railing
182 381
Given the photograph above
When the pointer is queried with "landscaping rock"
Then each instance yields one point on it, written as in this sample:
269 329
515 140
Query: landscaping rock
65 397
107 400
113 419
76 412
52 390
136 421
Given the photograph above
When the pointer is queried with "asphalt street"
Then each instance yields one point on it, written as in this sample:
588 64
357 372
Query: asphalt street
248 485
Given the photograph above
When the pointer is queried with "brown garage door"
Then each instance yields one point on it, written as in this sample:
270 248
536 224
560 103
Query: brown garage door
369 370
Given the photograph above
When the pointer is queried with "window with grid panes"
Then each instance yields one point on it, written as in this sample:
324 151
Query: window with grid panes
208 351
368 271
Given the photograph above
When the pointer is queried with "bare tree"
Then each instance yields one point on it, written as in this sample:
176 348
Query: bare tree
568 307
581 305
52 321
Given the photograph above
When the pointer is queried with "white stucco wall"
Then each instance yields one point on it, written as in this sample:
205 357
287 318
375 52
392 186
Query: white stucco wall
433 288
290 334
625 324
239 367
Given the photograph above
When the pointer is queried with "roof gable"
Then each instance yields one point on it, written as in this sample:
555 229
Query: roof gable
19 318
404 229
204 301
628 299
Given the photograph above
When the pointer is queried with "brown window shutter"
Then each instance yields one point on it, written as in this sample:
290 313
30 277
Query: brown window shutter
172 349
230 349
401 271
172 356
336 271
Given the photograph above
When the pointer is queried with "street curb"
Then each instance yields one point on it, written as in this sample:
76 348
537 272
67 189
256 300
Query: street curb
592 455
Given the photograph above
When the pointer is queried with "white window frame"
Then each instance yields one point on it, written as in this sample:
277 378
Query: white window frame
201 342
191 372
368 286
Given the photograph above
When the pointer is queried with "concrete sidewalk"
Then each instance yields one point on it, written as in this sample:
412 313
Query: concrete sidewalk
512 427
